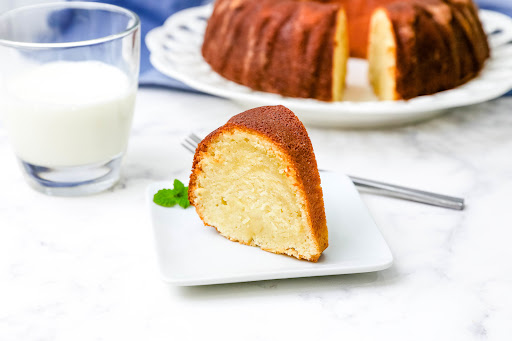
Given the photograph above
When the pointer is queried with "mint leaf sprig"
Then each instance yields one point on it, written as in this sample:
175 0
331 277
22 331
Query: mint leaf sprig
171 197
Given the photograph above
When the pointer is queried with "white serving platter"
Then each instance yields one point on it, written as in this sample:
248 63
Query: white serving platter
176 51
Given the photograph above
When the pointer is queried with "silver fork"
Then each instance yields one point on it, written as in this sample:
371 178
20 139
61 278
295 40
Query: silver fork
376 187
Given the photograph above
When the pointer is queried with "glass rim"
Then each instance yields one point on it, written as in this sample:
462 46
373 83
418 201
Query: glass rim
72 5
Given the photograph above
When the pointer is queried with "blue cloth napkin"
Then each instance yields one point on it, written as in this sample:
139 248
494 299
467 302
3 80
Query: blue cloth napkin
503 6
154 12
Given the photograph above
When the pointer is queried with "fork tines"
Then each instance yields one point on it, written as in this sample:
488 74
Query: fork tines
195 138
190 143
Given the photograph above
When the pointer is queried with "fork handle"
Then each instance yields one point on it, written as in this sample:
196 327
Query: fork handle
408 193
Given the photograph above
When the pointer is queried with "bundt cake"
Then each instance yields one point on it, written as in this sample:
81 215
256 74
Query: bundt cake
255 179
299 48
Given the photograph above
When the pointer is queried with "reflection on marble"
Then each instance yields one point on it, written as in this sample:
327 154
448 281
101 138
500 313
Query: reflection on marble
85 268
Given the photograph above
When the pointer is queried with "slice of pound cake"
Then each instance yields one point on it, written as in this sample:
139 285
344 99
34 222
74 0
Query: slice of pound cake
255 179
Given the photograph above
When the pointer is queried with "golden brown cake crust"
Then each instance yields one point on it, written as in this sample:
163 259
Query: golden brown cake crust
278 46
280 125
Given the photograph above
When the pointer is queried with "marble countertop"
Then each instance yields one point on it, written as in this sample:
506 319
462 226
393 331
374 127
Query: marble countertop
85 268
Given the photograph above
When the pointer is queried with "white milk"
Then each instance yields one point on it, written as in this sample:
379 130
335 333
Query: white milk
69 113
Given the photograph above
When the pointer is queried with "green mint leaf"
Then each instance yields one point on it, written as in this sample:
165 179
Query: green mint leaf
165 198
171 197
179 187
183 202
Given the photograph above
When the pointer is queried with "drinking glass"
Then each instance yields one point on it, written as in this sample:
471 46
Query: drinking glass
68 80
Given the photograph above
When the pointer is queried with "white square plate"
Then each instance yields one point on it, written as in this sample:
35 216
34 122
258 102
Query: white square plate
190 253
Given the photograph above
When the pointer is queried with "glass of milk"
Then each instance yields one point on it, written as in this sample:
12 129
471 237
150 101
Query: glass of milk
68 79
